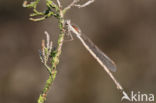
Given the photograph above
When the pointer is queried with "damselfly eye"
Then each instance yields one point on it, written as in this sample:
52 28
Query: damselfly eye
76 28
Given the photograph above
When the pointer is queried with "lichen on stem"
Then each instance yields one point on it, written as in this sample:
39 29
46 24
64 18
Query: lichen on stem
54 61
55 11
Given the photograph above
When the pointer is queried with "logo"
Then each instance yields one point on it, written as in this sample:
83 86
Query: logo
138 97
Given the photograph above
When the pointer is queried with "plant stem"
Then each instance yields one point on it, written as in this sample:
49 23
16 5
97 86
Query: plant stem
55 60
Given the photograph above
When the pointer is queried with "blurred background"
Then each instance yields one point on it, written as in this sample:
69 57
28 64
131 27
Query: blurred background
124 29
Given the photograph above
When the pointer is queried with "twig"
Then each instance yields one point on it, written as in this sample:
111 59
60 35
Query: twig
70 5
48 39
85 4
59 3
55 59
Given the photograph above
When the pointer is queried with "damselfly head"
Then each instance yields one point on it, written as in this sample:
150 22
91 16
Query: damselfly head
76 28
72 27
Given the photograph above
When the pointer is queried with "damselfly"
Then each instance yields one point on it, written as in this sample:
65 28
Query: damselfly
100 56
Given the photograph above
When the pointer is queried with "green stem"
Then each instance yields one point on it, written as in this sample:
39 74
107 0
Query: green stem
55 60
